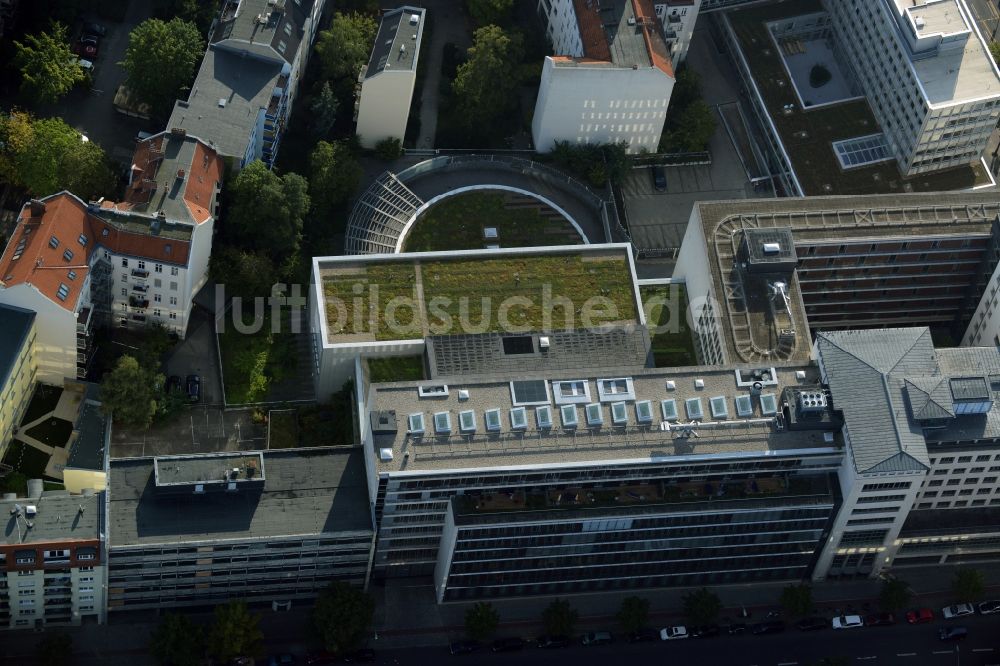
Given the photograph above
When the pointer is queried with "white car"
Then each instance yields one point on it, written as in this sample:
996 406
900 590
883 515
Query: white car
85 65
989 607
957 610
848 622
673 633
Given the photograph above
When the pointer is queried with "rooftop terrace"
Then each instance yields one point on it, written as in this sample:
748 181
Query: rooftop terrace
650 414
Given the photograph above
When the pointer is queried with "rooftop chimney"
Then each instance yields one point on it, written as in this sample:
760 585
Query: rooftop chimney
37 208
178 131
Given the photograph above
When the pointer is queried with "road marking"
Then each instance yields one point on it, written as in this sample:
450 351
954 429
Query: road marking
866 658
982 649
788 663
906 654
942 652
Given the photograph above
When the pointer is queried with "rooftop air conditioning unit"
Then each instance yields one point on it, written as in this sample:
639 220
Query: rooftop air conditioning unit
544 342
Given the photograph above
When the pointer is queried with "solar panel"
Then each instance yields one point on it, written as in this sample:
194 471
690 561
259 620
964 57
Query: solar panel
442 422
669 409
644 411
543 416
518 418
467 420
493 419
594 415
720 410
744 407
529 392
768 404
619 415
693 407
518 344
415 423
569 417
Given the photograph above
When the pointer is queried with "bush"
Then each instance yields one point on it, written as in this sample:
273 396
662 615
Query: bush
389 149
819 76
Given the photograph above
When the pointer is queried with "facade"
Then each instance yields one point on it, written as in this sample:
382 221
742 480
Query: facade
928 75
53 559
18 367
271 527
858 262
678 19
608 81
383 105
131 263
245 88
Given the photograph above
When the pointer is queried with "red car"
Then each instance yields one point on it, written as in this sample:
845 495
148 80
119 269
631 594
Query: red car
880 620
920 616
87 47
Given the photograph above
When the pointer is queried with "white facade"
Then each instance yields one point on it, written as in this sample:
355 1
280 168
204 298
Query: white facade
600 103
984 327
562 30
678 18
56 344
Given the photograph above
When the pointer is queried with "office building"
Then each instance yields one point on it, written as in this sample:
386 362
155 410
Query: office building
18 367
53 559
610 77
272 527
246 85
382 108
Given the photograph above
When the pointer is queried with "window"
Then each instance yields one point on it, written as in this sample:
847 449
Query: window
965 459
124 263
158 268
124 292
172 315
63 292
173 286
56 554
71 275
26 602
173 270
87 556
82 240
173 300
611 390
881 498
53 242
901 485
157 298
68 255
142 265
574 391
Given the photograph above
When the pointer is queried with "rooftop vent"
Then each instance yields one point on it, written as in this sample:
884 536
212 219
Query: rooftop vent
37 208
414 19
180 131
180 174
772 248
222 102
385 455
544 342
30 510
812 401
919 22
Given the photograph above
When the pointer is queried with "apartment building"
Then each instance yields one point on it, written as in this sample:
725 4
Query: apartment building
842 263
610 77
246 85
272 527
53 559
18 367
928 75
678 19
382 108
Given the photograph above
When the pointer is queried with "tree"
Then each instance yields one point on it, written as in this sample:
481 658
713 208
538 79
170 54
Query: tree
47 156
129 392
244 274
48 67
702 606
199 12
559 618
323 111
895 595
967 584
481 621
797 600
334 174
389 149
176 641
484 12
343 49
695 127
54 650
343 616
161 60
633 614
485 86
235 632
267 210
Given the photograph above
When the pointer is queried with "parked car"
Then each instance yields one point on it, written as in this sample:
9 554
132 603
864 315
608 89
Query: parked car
880 620
736 628
321 658
989 607
953 633
770 627
508 644
90 28
193 388
811 624
465 647
920 616
597 638
361 656
86 65
659 178
847 622
644 635
705 631
87 47
957 610
674 633
546 642
281 660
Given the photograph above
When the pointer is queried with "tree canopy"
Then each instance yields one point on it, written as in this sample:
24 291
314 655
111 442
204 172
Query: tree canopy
334 174
702 606
234 632
129 392
245 274
559 618
485 86
633 614
344 47
267 210
323 111
47 155
48 67
484 12
199 12
481 621
895 595
343 616
176 641
967 584
797 600
161 60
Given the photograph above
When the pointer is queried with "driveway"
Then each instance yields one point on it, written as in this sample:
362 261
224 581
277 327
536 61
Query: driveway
201 429
91 111
196 355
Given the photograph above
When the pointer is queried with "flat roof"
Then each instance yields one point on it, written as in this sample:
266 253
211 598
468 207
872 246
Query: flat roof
398 40
88 450
443 293
214 468
307 492
625 33
58 518
632 439
15 325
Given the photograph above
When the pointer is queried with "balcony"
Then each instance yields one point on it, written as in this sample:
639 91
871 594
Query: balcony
136 302
83 319
140 273
140 288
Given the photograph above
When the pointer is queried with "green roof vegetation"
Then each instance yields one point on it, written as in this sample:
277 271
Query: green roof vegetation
458 223
666 309
808 135
402 300
396 369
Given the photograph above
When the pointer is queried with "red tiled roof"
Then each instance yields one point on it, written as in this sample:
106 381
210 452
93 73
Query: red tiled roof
202 174
206 170
588 20
652 34
595 41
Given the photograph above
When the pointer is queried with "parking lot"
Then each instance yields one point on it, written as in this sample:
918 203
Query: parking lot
196 355
201 429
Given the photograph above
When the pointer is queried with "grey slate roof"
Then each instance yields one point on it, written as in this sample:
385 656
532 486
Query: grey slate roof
242 30
59 518
307 492
866 372
88 450
929 398
15 325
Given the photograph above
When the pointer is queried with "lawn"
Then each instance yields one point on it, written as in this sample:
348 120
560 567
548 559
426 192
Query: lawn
283 429
541 292
396 369
52 431
808 135
666 307
42 402
26 459
457 223
251 363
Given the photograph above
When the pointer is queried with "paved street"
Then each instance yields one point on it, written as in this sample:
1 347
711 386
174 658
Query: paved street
988 16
